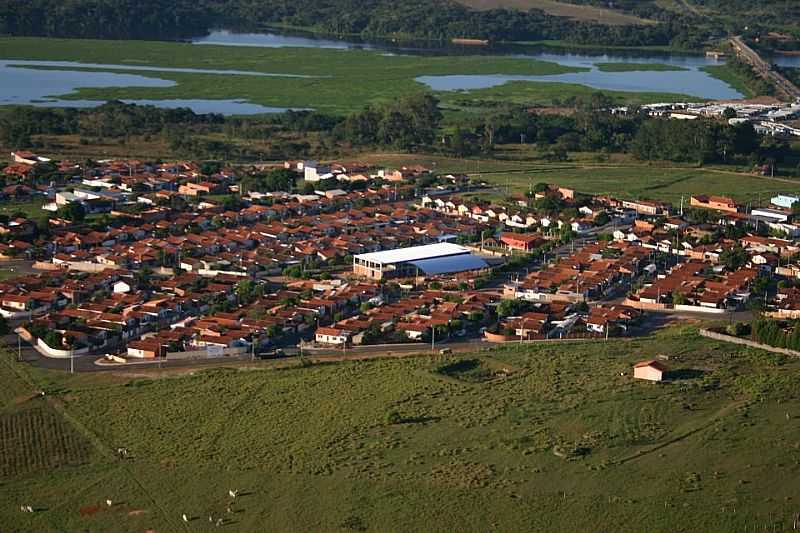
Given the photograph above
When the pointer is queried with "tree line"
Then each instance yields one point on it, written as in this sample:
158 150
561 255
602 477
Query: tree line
412 123
428 19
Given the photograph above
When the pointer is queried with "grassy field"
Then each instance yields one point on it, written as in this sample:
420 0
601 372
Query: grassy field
657 183
638 67
545 94
561 9
341 80
563 443
729 76
515 170
29 208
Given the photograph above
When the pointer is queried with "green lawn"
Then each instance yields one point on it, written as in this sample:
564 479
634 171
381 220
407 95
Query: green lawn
638 67
565 443
29 208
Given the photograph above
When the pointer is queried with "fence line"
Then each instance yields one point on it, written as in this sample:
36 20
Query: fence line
746 342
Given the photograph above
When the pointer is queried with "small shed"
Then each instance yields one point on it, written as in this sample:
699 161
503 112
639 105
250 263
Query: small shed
650 370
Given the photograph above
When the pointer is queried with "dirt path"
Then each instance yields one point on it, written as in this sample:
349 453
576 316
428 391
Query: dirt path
683 435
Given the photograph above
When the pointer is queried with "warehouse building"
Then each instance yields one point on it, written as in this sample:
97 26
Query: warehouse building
428 260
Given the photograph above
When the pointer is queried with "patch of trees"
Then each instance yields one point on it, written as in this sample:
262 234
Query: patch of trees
592 129
110 19
110 120
280 179
403 124
697 141
773 333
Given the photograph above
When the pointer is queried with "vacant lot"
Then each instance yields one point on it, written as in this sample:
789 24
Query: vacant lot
554 437
560 9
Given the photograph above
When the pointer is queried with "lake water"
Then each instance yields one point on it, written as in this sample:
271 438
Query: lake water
692 81
21 83
39 87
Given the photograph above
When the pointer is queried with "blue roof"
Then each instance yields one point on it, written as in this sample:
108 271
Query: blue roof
450 264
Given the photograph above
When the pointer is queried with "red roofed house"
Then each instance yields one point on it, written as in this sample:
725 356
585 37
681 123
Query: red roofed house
521 241
719 203
651 370
334 336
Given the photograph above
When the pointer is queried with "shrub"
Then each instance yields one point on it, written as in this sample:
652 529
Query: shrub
393 418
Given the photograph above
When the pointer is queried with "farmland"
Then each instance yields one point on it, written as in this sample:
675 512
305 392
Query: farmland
561 441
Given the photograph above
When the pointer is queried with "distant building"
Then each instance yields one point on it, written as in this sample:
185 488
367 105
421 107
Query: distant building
773 215
646 207
651 370
524 242
332 336
784 200
429 259
718 203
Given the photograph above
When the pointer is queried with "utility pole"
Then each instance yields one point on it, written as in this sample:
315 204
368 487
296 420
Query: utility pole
19 348
433 338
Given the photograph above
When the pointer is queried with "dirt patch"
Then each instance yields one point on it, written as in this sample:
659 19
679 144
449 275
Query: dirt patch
137 512
89 510
475 370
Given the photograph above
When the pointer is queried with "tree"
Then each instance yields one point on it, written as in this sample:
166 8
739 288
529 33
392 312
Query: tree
53 339
733 258
602 219
73 211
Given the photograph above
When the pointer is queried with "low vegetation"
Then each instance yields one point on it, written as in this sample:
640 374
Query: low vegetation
565 441
638 67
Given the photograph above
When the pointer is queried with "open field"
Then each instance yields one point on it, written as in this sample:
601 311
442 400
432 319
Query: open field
668 184
620 175
340 81
560 9
638 67
563 443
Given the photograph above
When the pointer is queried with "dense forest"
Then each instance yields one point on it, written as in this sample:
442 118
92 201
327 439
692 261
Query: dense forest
429 19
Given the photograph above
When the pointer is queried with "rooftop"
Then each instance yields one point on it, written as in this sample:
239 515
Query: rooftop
414 253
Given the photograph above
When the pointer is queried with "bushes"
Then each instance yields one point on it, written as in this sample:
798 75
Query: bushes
773 333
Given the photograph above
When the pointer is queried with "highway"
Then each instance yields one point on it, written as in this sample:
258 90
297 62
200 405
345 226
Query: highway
785 87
